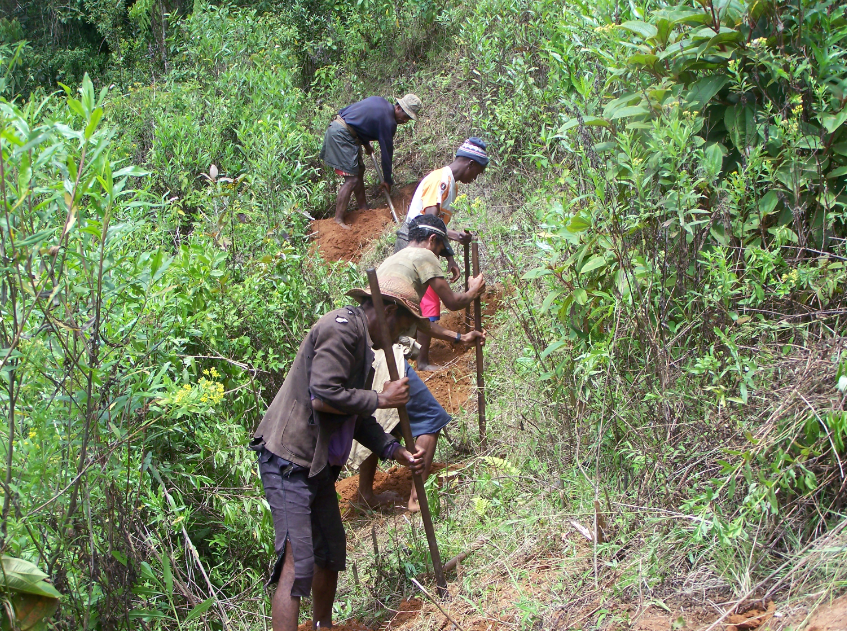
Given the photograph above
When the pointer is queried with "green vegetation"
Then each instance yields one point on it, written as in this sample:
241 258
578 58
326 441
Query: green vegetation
667 215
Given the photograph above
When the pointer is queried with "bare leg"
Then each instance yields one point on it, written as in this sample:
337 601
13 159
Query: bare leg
324 584
367 471
285 608
359 190
343 200
423 356
428 443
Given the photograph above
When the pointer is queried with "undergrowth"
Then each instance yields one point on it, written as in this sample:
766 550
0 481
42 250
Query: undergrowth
665 210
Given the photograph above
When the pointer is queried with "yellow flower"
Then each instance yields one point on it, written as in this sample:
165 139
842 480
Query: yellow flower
32 434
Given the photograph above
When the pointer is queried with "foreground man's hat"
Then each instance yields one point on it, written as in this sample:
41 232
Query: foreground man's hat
411 104
395 290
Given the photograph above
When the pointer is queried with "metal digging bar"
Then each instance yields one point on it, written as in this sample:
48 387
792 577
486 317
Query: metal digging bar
381 181
480 381
406 429
467 277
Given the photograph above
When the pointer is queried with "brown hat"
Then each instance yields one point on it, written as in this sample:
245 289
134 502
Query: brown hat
393 289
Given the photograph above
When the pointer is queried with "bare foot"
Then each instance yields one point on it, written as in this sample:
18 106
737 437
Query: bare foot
414 506
374 500
429 367
341 223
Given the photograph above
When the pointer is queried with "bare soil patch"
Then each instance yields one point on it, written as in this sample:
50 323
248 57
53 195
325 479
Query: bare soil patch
831 617
338 244
397 480
407 610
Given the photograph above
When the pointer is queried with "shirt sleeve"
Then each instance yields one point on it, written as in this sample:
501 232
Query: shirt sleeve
431 194
386 148
333 364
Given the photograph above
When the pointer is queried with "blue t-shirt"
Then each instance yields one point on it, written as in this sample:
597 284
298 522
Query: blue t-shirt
373 120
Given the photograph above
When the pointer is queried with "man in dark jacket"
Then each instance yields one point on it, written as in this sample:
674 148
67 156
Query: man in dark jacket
305 438
360 124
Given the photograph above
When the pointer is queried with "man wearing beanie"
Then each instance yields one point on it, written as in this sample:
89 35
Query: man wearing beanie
357 125
435 196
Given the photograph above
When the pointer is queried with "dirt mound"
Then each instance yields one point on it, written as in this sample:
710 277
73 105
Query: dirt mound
337 244
453 387
441 352
831 617
407 610
397 480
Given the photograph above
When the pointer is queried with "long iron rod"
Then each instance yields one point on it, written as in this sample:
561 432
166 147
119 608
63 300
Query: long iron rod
480 382
406 429
382 181
467 276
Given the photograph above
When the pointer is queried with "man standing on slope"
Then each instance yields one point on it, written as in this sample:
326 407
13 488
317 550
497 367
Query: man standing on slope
418 265
305 438
357 125
435 196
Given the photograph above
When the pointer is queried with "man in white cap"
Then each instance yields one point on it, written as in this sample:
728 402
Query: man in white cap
357 125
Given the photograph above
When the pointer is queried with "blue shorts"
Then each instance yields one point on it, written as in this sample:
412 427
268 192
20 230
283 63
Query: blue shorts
426 416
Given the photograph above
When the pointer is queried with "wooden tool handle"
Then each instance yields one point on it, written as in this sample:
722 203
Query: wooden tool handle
406 429
480 382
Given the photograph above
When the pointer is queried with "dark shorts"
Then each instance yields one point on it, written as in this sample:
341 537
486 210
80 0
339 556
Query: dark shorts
306 514
341 151
402 238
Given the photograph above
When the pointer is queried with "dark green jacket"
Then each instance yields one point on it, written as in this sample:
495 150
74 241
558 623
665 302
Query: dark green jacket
334 364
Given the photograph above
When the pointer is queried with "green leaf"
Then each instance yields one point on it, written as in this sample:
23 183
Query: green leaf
538 272
642 59
545 306
630 110
704 90
593 263
552 347
580 296
167 574
768 202
96 115
740 121
834 121
199 610
22 576
713 158
578 224
640 28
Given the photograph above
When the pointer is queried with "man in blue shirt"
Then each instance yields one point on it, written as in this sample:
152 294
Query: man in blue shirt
357 125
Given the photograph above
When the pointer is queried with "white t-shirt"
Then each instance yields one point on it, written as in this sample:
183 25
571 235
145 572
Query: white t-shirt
439 187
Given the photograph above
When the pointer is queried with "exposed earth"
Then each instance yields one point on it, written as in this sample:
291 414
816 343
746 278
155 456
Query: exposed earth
454 386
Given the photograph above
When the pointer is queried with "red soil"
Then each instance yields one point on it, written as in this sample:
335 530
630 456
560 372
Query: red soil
397 480
337 244
407 610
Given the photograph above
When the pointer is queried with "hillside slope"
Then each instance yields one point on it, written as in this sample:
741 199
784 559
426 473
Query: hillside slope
663 225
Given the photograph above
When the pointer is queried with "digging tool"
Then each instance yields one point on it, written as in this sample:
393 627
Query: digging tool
480 382
406 429
467 276
381 181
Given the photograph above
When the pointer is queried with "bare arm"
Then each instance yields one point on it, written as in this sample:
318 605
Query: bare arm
457 302
439 332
